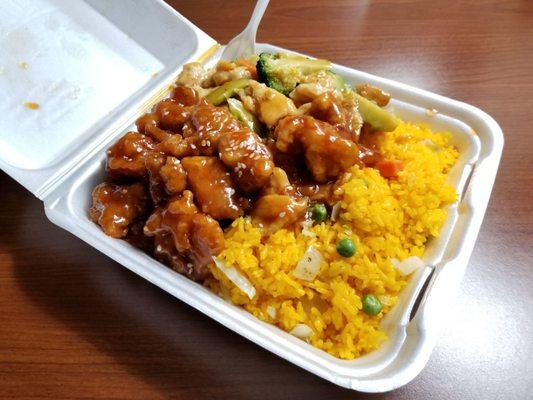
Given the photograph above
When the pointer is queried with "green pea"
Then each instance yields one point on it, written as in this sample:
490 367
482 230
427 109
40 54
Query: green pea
346 247
371 304
319 212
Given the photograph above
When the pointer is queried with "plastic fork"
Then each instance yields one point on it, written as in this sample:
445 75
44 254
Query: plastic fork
243 45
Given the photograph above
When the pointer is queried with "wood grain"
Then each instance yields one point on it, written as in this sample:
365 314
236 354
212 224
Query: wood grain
74 324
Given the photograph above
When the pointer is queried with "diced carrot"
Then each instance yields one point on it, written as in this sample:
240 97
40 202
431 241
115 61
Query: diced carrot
250 66
389 168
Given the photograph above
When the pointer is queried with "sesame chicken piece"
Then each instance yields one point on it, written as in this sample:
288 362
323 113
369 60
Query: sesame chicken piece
171 115
154 161
173 176
327 153
248 158
125 159
116 207
195 235
341 112
207 124
185 96
212 186
277 211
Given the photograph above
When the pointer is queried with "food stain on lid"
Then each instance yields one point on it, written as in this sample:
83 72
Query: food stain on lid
431 112
31 105
23 65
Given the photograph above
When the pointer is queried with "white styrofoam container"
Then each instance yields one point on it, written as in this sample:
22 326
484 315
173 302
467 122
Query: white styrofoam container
94 66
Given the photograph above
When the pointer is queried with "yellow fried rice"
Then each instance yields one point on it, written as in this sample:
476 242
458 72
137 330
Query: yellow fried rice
385 218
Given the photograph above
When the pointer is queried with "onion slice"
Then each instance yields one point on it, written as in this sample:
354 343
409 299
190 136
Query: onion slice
306 225
409 265
309 265
335 211
236 277
302 331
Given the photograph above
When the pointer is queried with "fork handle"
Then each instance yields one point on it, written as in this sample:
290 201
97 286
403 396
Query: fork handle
257 14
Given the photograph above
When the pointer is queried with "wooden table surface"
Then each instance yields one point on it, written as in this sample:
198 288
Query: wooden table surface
74 324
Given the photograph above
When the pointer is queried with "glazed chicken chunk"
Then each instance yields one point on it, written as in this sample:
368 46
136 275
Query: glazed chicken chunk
127 156
342 113
277 211
212 186
279 206
261 138
207 124
171 115
153 162
115 207
173 176
327 152
185 96
200 133
148 125
195 235
248 158
166 176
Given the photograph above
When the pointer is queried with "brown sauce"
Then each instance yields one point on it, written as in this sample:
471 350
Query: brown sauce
192 167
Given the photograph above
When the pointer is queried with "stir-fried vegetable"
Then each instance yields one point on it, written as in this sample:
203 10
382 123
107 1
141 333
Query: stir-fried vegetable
302 331
283 72
389 168
335 211
409 265
309 265
227 90
339 83
379 118
271 311
236 277
237 109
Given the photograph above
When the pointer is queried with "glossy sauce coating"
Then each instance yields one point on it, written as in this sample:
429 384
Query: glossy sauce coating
341 114
115 207
213 187
248 158
195 235
196 167
125 159
208 123
173 176
327 153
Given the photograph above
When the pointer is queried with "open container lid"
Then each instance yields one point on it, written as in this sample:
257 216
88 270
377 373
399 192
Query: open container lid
70 70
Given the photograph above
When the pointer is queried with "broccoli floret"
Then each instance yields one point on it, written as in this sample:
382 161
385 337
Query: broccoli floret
283 72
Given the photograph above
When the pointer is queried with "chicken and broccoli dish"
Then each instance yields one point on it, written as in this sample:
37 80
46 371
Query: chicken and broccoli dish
285 190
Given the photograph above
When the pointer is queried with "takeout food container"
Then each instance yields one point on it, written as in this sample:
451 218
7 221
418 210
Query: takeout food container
94 66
